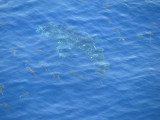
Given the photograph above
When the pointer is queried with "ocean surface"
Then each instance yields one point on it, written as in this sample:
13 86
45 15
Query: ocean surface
39 83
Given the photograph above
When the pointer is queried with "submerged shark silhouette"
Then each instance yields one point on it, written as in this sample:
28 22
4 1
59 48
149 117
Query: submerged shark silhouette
67 38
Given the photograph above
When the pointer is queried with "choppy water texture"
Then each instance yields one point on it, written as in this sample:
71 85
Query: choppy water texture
55 77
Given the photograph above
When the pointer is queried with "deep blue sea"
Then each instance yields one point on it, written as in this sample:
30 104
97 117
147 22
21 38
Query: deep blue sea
39 83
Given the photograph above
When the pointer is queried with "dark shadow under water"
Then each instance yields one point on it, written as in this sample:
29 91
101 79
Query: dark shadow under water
66 39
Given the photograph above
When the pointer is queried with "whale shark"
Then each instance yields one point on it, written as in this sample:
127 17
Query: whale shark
66 38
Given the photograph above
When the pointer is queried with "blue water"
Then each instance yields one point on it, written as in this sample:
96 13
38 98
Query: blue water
69 88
